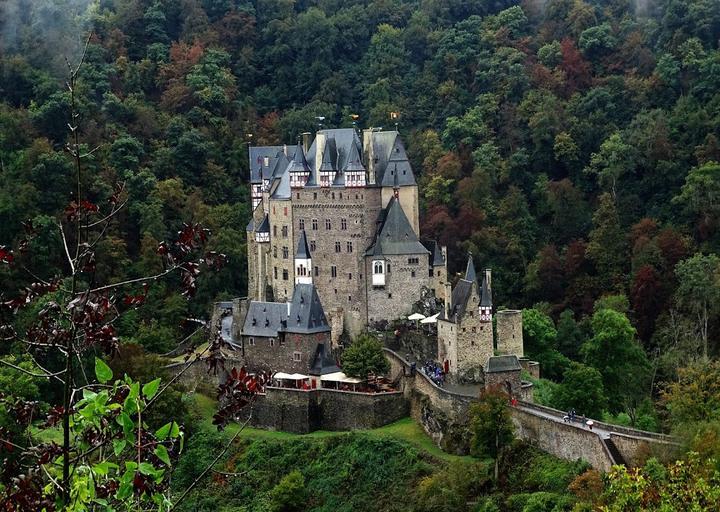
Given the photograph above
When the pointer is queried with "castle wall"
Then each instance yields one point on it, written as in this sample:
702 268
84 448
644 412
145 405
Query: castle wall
474 344
437 281
403 286
280 356
509 378
359 207
280 215
509 332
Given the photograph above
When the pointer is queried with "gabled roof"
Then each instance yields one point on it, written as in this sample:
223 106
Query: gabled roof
303 250
298 163
497 364
345 139
256 159
280 188
264 319
470 274
306 312
323 363
396 235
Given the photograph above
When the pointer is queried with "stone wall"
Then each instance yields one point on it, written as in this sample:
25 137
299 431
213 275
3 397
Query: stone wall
281 353
507 381
561 439
404 282
509 332
303 411
636 450
532 367
281 215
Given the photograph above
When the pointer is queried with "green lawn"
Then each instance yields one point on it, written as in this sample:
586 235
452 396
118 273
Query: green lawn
406 430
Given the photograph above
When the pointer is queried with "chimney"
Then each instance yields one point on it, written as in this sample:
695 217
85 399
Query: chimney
448 300
306 141
488 278
369 155
320 139
285 149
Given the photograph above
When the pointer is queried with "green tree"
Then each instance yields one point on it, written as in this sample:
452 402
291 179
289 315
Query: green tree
290 494
616 354
581 389
698 292
490 425
615 159
700 196
365 356
607 246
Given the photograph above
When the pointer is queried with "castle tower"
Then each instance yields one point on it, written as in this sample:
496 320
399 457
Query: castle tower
298 169
303 261
486 297
510 332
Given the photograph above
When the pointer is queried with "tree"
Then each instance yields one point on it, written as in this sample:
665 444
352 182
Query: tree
364 357
581 389
621 361
289 495
700 197
490 425
615 159
540 339
698 292
695 396
607 247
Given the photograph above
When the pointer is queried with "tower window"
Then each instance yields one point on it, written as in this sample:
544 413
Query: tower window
317 271
378 267
350 276
327 223
285 274
272 342
312 245
297 356
275 272
314 224
251 342
333 271
337 247
286 252
349 247
285 231
274 230
302 224
274 251
285 211
412 274
343 224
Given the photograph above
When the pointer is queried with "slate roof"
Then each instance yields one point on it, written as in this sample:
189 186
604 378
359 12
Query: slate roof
497 364
354 160
306 312
470 274
344 139
264 226
391 159
303 250
436 255
281 190
396 235
485 293
323 362
265 319
329 156
256 158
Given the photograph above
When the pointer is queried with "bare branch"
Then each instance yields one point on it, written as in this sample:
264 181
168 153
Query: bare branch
67 251
109 215
32 374
137 280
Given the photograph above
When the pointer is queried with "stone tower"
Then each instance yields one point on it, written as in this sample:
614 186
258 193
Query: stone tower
509 332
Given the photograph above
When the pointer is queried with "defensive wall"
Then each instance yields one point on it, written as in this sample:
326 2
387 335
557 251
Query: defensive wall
302 411
443 415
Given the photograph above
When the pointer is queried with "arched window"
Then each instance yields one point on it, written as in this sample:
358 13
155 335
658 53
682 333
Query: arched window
378 267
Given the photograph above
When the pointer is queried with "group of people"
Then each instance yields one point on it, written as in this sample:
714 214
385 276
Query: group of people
572 417
434 371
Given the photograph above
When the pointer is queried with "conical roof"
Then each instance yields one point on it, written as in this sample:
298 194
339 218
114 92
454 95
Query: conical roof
486 291
298 163
303 250
306 312
470 274
354 161
396 236
327 164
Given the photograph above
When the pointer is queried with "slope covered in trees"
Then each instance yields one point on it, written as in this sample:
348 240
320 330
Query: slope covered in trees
571 145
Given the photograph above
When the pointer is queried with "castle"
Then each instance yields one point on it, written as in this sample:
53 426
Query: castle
342 214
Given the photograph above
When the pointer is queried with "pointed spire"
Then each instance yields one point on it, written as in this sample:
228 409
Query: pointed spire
327 164
299 163
470 274
354 162
486 290
303 250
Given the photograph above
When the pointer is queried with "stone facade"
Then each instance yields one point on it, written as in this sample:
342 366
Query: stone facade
292 352
405 277
509 332
339 191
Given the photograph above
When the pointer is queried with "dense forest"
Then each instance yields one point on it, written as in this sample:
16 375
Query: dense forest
573 146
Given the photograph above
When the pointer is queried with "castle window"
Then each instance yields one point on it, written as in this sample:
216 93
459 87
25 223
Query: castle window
317 271
387 267
281 342
275 269
274 251
314 224
343 224
340 195
272 342
297 356
349 298
251 342
274 230
312 245
285 253
430 273
357 196
349 247
314 195
412 274
327 223
389 295
333 195
378 267
285 231
333 272
350 276
285 211
273 210
413 261
297 196
337 247
302 224
266 161
285 274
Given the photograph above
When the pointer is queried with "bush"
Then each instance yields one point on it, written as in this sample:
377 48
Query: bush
365 356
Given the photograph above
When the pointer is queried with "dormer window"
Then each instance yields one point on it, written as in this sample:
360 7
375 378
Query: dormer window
267 323
254 321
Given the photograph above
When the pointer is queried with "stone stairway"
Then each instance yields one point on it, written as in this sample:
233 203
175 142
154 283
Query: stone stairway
614 452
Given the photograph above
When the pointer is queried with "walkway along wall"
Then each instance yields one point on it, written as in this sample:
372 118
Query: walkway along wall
443 415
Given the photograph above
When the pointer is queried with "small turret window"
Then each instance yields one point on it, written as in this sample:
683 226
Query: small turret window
378 267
